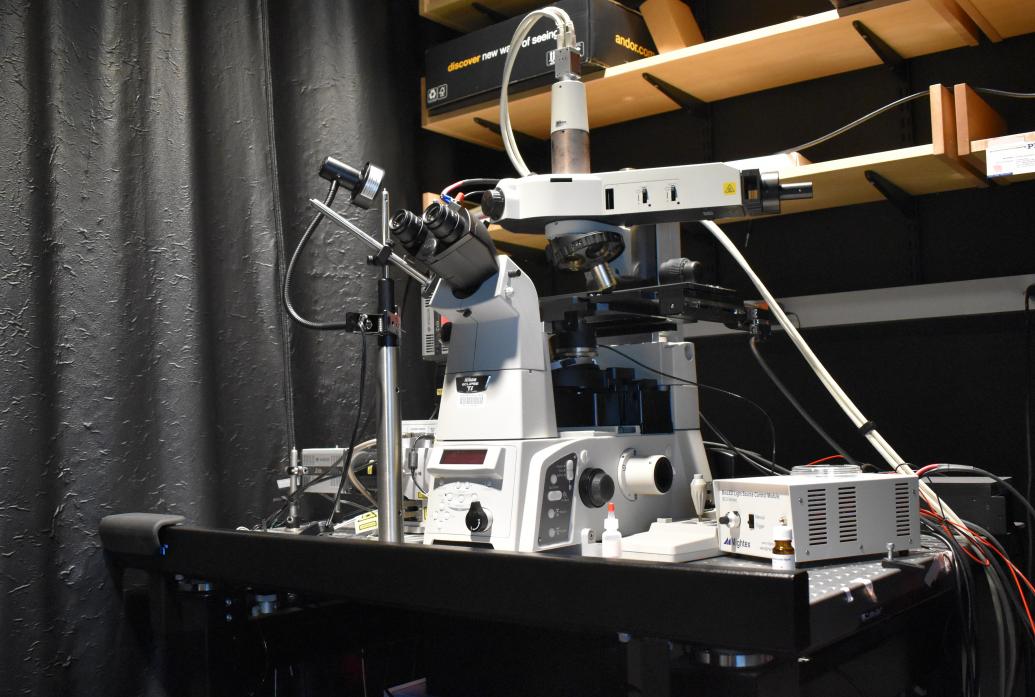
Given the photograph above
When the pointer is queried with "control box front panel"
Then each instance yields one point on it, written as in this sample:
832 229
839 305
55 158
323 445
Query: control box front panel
831 517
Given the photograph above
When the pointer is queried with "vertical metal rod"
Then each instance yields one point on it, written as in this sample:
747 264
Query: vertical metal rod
389 436
293 482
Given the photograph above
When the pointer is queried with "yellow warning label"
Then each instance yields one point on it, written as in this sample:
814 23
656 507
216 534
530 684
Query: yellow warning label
421 495
729 188
367 521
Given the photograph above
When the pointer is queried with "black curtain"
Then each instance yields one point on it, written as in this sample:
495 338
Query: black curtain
157 159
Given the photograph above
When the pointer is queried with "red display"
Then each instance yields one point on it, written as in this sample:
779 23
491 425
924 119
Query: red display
463 457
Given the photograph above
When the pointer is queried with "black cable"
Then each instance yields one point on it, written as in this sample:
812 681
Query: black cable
964 597
947 468
464 183
1005 93
267 522
743 456
355 428
412 465
326 326
712 445
1027 421
859 121
763 412
796 404
1000 566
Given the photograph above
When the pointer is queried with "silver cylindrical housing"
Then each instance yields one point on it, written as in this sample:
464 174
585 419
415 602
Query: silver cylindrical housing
646 476
569 128
389 449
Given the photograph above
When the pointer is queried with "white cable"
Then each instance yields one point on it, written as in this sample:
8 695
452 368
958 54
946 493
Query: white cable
843 400
565 39
351 473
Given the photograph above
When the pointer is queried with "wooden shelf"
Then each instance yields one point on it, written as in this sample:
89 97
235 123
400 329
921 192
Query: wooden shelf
977 123
917 170
463 15
1001 19
795 51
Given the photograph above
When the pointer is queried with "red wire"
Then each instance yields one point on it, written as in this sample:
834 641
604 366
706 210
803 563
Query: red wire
1016 573
824 459
925 469
975 559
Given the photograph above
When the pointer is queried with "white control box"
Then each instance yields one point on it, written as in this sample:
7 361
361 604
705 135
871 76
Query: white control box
832 516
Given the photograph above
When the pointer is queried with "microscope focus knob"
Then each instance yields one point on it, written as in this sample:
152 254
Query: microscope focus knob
596 487
478 519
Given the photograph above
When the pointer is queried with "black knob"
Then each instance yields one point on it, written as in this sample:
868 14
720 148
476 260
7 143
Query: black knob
477 519
679 270
493 202
596 487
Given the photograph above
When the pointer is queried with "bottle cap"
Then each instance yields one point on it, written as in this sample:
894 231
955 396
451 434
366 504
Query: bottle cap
782 532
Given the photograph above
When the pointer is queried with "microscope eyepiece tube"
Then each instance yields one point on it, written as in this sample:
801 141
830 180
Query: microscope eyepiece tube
445 222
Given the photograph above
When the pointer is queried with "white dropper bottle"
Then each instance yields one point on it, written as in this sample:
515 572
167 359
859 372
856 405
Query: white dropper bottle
611 540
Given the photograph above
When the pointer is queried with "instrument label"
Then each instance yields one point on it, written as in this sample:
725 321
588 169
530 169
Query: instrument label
1010 155
471 384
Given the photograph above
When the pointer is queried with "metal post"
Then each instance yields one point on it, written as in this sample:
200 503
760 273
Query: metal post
293 483
389 436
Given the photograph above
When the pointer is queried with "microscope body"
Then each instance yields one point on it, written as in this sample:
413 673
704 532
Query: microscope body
503 474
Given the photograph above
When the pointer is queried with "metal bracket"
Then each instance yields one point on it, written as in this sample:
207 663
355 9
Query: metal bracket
521 138
363 323
904 201
685 100
382 256
886 53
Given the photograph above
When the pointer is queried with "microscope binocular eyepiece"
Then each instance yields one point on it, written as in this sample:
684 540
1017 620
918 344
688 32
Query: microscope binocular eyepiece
454 244
446 223
363 186
411 232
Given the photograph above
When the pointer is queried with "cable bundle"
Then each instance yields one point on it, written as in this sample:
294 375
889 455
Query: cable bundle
1003 576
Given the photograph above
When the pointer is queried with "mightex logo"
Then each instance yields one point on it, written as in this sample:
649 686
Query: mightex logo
738 543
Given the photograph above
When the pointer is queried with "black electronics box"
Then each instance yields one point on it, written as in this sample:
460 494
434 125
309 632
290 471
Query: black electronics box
470 69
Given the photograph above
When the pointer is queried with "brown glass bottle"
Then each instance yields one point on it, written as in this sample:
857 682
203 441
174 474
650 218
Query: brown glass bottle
783 550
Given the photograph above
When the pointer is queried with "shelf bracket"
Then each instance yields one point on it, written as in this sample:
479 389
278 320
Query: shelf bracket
521 138
489 12
886 53
685 100
904 201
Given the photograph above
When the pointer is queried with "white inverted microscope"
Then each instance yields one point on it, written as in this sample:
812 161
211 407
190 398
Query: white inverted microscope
553 407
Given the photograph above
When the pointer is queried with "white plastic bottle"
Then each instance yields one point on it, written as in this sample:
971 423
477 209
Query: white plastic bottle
611 540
